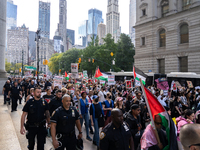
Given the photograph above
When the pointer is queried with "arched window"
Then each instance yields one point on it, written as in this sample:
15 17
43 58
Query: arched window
184 33
186 4
164 7
162 37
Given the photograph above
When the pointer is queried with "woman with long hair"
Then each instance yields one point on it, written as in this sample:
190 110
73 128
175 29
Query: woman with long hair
108 105
31 95
181 121
177 107
96 111
120 105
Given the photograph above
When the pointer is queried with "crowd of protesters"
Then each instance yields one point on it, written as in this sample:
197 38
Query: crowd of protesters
95 102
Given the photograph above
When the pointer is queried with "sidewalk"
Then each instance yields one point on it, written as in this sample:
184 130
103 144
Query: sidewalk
10 137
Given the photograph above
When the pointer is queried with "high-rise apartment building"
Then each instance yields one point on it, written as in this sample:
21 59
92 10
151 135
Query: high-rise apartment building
17 44
62 26
44 18
132 20
94 18
83 33
101 32
113 19
11 17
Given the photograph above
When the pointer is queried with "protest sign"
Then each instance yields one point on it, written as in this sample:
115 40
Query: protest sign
74 70
89 81
57 81
190 85
85 75
162 84
111 80
128 84
102 82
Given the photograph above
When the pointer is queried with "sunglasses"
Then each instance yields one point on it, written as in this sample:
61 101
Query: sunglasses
158 123
194 145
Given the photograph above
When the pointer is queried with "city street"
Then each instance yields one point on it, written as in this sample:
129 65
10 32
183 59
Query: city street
10 137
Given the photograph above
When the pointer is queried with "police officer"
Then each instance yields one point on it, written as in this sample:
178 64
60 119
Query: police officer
116 135
16 93
20 85
63 123
37 112
25 88
6 88
55 102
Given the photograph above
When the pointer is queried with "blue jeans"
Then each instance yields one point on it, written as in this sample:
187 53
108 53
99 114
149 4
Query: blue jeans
86 118
5 96
96 131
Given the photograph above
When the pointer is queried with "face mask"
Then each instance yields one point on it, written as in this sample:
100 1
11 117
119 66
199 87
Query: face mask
110 97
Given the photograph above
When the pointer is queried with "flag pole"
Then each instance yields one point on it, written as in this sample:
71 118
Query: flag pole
148 107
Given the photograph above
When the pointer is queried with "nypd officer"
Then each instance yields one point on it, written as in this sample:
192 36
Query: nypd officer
16 93
6 88
116 135
63 123
37 112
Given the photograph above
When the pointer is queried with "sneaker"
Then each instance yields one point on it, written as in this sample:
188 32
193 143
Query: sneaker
89 138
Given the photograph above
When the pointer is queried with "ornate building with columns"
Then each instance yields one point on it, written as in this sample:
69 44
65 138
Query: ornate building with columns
168 35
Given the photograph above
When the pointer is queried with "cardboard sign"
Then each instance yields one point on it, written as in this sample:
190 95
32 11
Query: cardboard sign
128 84
190 85
57 81
111 80
178 85
90 82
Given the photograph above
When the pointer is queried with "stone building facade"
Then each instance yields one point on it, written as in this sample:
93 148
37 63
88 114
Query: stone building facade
46 50
168 36
17 45
101 32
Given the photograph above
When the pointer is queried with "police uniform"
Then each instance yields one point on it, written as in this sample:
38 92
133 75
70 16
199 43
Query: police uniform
65 126
15 91
20 98
7 88
25 85
36 122
112 138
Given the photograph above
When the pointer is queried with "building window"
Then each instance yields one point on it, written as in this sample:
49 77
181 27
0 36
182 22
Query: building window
143 12
183 64
184 34
143 41
162 37
186 4
165 7
161 66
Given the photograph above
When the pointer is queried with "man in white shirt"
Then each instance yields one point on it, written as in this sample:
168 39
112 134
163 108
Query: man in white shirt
101 95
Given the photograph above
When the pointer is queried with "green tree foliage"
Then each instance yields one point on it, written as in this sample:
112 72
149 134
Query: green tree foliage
125 53
8 66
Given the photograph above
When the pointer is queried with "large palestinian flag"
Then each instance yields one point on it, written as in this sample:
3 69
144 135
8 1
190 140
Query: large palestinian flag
138 74
157 109
100 75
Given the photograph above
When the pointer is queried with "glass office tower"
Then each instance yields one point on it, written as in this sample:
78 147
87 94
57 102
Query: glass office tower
44 18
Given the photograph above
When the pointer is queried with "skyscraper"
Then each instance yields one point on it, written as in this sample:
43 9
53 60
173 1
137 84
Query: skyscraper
11 18
32 46
94 18
113 19
44 19
132 20
83 33
71 36
101 32
62 26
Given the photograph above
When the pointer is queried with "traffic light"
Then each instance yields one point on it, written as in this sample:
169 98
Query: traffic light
45 62
20 70
59 70
92 60
79 60
36 72
78 66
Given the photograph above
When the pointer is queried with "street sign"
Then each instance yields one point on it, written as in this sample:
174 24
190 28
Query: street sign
30 68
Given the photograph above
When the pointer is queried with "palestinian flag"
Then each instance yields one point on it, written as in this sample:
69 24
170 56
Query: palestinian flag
157 108
66 76
100 75
138 74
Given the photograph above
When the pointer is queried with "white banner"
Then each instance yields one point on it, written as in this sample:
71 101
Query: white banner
57 81
74 70
111 79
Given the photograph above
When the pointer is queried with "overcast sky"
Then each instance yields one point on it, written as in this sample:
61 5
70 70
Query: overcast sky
77 11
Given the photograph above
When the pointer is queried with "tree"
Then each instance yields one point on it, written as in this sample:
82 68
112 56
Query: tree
8 66
125 53
54 63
